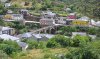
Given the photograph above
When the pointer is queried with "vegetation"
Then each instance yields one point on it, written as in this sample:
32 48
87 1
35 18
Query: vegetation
60 46
58 41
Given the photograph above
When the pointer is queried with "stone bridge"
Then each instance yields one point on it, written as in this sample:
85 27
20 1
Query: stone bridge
48 28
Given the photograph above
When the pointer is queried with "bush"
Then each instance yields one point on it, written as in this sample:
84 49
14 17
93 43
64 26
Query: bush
89 51
12 43
58 41
9 47
9 50
92 31
80 40
32 44
52 44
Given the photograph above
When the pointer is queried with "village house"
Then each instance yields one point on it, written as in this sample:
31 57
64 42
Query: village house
72 16
13 17
48 14
61 20
7 30
7 5
79 22
17 16
9 11
84 18
47 22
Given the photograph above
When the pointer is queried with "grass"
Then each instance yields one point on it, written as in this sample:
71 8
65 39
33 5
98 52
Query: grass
40 53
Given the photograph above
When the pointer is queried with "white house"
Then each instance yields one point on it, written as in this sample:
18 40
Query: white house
47 22
84 18
6 30
13 17
9 11
61 20
48 14
17 16
7 4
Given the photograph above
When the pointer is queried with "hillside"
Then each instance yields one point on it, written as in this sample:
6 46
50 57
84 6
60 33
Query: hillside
91 8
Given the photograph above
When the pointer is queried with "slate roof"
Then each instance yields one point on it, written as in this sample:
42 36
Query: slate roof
9 37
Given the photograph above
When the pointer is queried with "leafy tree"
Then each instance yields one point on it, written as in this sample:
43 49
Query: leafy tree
2 9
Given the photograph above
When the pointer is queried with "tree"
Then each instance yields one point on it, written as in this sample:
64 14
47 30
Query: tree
2 9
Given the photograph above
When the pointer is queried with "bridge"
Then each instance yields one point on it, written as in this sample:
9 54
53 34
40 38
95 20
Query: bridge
44 29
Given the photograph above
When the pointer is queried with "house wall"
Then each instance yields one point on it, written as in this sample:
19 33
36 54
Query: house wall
80 23
9 32
17 17
46 22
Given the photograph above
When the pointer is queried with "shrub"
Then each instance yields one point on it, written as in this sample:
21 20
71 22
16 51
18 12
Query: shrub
58 41
32 44
80 40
